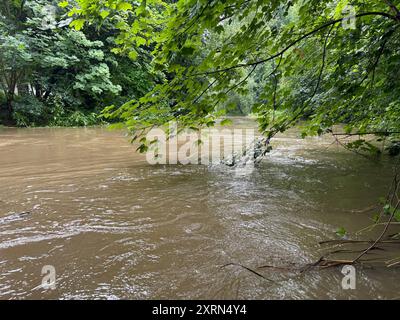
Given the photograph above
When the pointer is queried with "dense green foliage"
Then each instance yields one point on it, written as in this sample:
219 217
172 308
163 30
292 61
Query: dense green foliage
283 60
193 61
51 74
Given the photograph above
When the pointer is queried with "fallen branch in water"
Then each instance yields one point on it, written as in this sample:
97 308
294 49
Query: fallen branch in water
372 226
352 251
267 266
355 241
392 202
381 235
248 269
392 205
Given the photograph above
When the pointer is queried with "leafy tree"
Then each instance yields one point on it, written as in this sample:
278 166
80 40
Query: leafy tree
52 74
14 61
316 65
14 56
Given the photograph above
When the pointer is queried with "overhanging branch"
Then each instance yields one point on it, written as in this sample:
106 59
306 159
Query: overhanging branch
393 8
308 34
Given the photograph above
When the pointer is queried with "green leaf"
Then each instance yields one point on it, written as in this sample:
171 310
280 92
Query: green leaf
210 123
226 122
104 14
341 232
339 8
142 148
397 215
133 55
124 6
382 200
140 41
187 51
77 24
63 4
376 218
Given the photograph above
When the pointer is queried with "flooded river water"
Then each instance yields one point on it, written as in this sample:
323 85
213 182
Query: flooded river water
114 227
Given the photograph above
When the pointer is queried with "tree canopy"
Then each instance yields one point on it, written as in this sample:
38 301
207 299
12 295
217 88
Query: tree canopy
52 74
328 62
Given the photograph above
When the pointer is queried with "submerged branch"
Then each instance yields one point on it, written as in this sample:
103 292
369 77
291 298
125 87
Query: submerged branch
248 269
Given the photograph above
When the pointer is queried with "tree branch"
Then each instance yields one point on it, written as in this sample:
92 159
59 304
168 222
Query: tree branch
380 236
328 24
319 79
205 90
393 8
383 133
386 38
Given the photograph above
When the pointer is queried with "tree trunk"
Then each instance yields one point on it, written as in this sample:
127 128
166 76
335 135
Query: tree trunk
10 94
9 105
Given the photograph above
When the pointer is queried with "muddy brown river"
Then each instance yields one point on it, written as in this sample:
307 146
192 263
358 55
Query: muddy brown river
114 227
